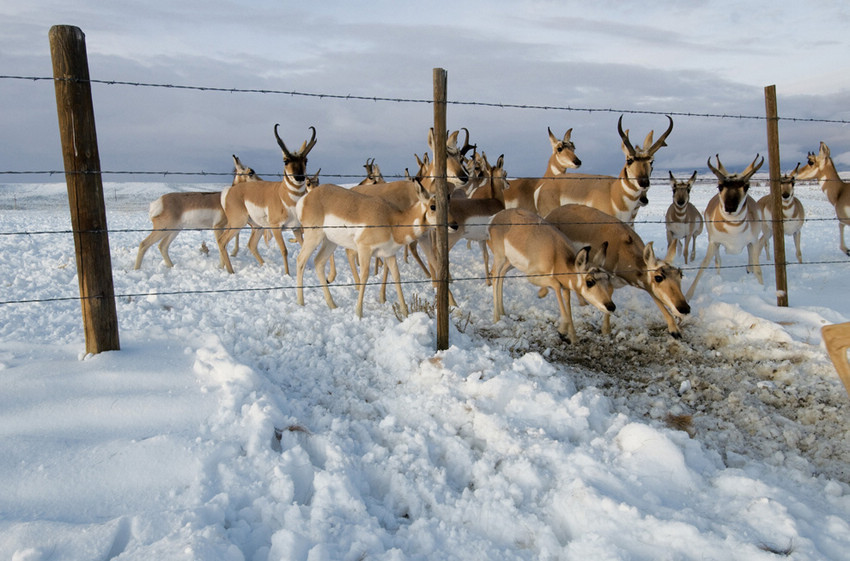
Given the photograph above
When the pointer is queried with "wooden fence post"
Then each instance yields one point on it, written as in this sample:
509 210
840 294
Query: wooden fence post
85 190
441 252
776 196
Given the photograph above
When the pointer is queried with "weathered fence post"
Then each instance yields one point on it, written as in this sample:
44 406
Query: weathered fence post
441 253
85 189
776 196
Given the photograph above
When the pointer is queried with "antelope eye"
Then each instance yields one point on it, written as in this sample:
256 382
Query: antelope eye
560 148
630 161
659 278
591 283
433 207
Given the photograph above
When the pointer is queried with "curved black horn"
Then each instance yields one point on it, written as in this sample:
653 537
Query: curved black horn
280 143
624 136
660 142
310 144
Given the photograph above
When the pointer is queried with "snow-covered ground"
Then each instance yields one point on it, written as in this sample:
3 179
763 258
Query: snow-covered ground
234 424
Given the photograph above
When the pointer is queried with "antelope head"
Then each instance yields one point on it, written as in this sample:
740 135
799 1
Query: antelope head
682 190
564 150
664 281
639 160
373 173
787 183
496 178
456 174
243 173
733 187
596 284
313 181
814 164
295 163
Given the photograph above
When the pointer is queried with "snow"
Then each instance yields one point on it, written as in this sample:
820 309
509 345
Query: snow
234 424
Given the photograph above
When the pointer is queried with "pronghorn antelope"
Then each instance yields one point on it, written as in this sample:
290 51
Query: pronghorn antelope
173 212
628 259
732 219
521 239
373 173
334 216
521 194
684 221
616 196
473 214
267 204
837 191
793 214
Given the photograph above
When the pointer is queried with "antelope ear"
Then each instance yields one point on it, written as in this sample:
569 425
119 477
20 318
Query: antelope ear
824 150
600 254
649 255
582 257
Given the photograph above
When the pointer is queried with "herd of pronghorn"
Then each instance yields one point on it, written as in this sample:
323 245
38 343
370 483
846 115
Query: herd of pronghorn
565 231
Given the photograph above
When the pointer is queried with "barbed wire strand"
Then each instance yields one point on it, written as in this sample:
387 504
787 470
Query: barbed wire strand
454 280
352 97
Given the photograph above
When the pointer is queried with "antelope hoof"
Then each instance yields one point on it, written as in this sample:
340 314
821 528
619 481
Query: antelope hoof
676 334
565 338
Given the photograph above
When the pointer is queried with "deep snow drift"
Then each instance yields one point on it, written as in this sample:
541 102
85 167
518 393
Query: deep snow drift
234 424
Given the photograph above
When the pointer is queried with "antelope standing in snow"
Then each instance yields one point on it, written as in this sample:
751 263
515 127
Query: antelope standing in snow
616 196
173 212
793 214
732 219
628 259
521 193
684 221
521 239
267 204
821 167
334 216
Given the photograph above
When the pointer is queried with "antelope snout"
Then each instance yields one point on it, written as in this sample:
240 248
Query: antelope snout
684 308
610 306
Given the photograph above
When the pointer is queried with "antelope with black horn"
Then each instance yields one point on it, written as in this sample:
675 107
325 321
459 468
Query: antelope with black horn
732 219
267 204
620 196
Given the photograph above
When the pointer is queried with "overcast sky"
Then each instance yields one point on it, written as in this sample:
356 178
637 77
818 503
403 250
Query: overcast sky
662 56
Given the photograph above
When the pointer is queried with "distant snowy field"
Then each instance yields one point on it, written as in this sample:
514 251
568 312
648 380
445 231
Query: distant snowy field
239 425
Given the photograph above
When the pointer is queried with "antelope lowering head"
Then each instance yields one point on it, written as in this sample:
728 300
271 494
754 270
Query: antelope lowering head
639 160
682 190
733 187
295 163
564 151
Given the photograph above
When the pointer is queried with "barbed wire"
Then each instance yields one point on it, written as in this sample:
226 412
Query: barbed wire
368 226
317 286
353 97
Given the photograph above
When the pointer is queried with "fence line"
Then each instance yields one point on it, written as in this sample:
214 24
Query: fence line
346 176
454 280
350 97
